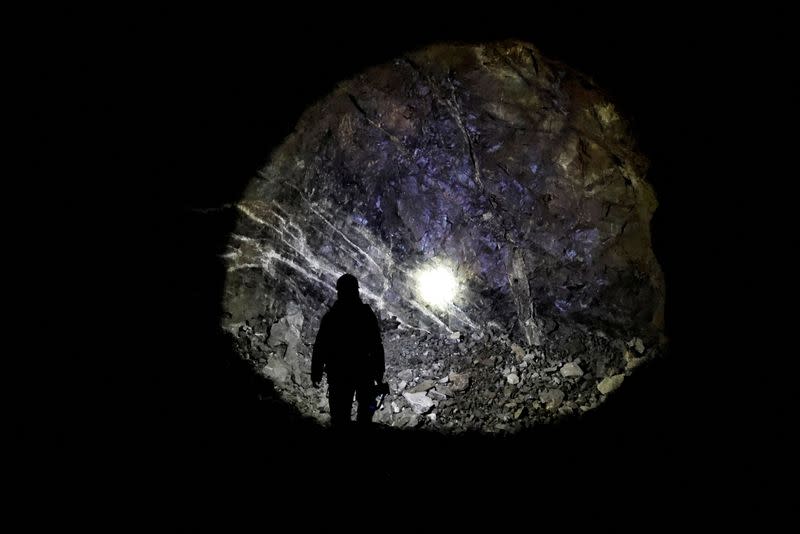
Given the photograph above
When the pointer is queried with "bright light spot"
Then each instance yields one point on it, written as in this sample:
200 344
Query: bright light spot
437 286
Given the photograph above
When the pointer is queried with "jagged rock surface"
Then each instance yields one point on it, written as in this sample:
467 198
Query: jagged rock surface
514 170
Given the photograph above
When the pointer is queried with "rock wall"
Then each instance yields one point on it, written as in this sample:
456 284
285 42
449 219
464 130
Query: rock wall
513 170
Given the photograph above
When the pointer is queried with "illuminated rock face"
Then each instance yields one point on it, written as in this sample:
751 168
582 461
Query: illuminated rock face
513 171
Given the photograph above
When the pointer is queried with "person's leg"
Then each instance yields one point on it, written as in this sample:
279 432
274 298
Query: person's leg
340 400
365 395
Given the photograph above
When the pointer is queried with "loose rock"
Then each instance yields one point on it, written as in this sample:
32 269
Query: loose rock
610 383
551 398
458 381
420 402
425 385
571 369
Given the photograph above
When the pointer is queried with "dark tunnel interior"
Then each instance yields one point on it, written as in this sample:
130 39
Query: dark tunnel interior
495 210
634 426
211 99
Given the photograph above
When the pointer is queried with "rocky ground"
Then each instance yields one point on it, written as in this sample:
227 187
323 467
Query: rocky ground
482 382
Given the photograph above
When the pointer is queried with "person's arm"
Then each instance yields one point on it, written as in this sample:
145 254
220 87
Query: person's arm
376 348
319 355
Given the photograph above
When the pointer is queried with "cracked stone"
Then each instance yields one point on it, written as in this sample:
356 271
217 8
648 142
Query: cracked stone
406 375
571 369
425 385
518 351
551 398
419 402
444 390
631 361
459 381
610 383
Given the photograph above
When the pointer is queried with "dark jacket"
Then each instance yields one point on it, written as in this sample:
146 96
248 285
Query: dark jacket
348 345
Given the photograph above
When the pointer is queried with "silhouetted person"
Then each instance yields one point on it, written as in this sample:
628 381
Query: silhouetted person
349 350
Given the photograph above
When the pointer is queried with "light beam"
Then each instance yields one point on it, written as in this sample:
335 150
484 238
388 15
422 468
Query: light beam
437 286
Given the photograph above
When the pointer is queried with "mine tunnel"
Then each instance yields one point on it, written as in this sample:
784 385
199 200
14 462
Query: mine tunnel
493 204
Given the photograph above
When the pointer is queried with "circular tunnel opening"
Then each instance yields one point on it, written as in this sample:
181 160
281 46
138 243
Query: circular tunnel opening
492 204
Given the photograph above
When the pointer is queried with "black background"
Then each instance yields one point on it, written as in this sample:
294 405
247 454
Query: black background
176 110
